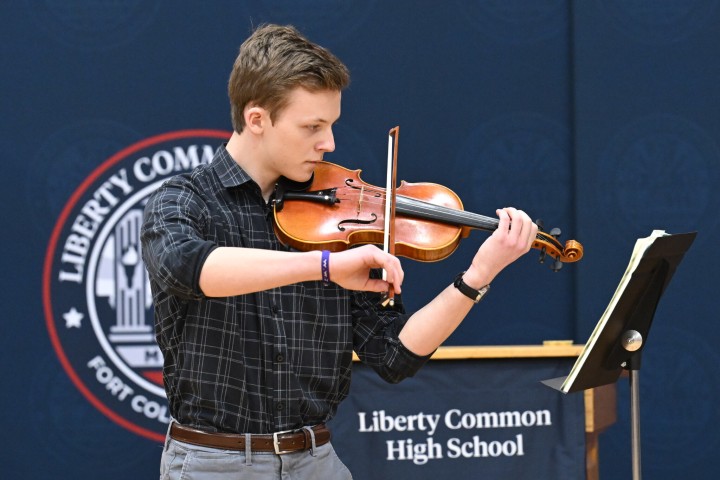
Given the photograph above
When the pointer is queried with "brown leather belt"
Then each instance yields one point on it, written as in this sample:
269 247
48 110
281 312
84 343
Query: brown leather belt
278 442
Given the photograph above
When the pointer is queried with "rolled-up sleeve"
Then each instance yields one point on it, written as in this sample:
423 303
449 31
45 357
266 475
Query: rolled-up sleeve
174 247
376 339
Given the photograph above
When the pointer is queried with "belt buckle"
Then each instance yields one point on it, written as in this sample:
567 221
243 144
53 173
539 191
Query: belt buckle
276 442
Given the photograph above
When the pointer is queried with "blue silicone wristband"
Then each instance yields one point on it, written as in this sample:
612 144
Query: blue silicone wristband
325 266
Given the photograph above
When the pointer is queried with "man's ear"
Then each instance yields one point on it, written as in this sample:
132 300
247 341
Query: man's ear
256 118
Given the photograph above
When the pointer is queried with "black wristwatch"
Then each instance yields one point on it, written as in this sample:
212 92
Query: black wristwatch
468 291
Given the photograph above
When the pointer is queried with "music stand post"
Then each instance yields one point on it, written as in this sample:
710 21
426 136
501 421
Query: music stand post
632 341
620 336
635 422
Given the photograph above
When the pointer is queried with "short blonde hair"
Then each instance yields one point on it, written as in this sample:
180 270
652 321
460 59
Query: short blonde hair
272 62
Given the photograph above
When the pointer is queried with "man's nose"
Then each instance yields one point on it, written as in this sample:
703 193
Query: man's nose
327 144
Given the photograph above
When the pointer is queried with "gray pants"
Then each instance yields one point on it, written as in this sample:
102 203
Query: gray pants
184 461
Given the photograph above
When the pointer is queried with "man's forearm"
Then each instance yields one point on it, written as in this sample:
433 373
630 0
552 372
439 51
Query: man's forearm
230 271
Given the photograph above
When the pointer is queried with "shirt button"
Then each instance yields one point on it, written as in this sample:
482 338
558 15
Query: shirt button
274 309
280 358
280 406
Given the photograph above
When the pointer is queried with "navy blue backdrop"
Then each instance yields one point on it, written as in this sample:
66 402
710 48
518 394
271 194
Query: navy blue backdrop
599 117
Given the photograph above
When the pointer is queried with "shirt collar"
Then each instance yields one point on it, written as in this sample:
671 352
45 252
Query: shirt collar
230 173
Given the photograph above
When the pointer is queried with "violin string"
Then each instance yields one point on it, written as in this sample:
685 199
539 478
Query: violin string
430 211
423 209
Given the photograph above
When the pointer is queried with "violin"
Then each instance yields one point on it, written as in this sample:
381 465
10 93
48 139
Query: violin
336 210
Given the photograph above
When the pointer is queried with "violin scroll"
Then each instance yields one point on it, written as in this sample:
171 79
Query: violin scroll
548 244
573 251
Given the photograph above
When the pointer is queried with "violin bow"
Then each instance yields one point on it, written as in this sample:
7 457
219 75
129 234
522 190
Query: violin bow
391 186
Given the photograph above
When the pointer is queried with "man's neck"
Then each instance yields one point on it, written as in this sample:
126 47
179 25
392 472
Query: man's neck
242 149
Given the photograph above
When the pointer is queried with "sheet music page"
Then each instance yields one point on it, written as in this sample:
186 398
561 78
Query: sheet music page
641 245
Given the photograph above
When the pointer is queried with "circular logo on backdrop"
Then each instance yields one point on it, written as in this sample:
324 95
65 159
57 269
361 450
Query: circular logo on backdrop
67 156
96 294
661 22
94 24
518 22
519 159
330 19
659 171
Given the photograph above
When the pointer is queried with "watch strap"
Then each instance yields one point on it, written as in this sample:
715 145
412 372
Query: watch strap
468 291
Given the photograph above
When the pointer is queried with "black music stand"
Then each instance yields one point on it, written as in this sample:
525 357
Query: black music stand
617 342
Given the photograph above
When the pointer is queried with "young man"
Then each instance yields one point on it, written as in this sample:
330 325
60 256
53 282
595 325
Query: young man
257 347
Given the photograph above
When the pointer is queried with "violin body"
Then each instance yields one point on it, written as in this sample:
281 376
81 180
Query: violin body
358 217
339 210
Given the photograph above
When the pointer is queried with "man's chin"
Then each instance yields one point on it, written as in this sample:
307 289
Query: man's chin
305 173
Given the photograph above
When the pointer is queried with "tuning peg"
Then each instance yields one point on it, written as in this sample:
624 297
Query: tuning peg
556 266
555 232
541 259
540 224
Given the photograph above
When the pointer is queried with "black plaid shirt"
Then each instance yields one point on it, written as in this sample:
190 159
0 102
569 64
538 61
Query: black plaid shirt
262 362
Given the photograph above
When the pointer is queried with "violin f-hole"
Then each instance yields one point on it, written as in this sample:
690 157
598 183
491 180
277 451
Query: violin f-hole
356 221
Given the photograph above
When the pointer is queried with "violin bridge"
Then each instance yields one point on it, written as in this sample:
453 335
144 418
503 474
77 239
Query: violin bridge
360 200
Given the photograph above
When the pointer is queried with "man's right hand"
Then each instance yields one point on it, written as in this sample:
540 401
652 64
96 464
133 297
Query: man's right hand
351 269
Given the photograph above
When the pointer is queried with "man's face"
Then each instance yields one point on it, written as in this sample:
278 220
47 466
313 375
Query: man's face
295 143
